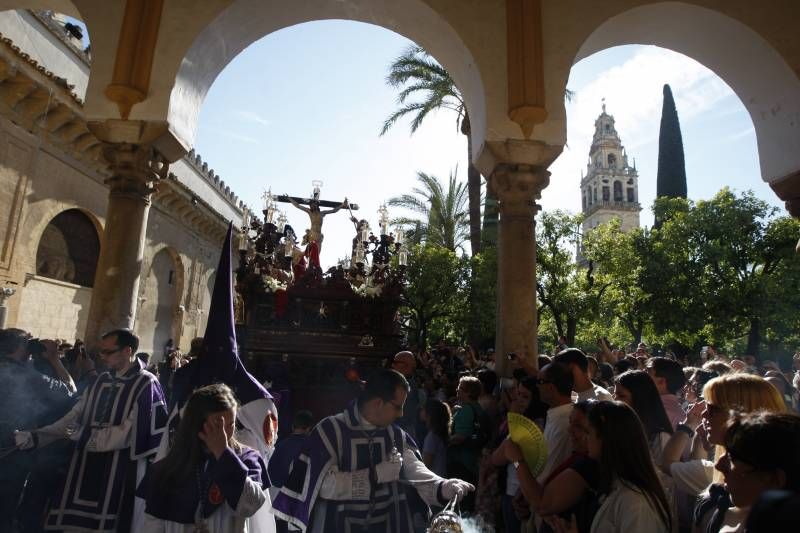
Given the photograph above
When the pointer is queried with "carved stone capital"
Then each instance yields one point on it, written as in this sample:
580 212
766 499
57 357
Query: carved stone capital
136 169
5 294
518 184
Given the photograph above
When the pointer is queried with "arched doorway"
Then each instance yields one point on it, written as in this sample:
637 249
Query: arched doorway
759 76
55 299
156 319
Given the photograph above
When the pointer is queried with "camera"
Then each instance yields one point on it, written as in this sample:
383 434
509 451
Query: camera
511 356
36 347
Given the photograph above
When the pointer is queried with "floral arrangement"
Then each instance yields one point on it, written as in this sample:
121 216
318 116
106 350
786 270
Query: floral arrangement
272 284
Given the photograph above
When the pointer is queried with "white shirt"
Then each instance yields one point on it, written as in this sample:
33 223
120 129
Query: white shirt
556 436
692 477
626 509
596 392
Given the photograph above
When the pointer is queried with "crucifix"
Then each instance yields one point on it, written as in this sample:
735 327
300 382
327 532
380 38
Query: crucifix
313 210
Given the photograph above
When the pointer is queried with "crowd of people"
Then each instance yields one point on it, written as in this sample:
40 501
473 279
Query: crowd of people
635 442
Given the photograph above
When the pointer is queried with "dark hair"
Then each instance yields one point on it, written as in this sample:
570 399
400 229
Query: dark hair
560 376
767 441
573 356
302 419
670 370
625 455
488 379
702 376
472 386
11 339
188 450
606 372
536 408
124 338
646 402
383 384
623 365
543 360
438 414
585 406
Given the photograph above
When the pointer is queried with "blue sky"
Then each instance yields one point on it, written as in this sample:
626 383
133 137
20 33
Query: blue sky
307 103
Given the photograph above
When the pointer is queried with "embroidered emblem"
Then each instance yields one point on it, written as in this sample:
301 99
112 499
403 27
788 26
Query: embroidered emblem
214 494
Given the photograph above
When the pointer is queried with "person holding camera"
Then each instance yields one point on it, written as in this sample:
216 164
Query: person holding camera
29 399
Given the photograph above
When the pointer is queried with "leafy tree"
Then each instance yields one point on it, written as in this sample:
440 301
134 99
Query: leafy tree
730 266
671 176
418 73
443 217
618 268
436 290
566 292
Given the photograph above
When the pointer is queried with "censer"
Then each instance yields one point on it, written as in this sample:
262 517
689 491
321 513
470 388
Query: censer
448 520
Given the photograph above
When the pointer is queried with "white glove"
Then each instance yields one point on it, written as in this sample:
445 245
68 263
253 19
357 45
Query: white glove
455 488
24 440
389 470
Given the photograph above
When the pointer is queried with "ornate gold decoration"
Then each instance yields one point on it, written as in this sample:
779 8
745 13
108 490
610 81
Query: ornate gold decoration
525 65
135 51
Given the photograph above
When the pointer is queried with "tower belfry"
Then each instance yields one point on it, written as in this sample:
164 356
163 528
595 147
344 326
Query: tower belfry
610 187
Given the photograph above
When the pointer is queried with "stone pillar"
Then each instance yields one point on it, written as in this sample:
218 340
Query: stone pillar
517 187
5 294
135 171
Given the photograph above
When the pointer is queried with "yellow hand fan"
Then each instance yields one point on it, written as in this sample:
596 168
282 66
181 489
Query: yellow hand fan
527 435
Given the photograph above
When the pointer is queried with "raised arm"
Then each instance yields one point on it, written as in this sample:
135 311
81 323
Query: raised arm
298 206
334 209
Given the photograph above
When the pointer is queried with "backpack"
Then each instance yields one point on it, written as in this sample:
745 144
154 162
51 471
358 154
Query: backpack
481 429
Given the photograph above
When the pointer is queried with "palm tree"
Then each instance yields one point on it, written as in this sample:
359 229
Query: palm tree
442 213
418 73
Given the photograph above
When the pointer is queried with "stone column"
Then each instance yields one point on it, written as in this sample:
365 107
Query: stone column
135 171
517 187
5 294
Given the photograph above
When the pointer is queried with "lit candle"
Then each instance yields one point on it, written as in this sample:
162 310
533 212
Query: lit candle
402 257
399 236
281 221
270 213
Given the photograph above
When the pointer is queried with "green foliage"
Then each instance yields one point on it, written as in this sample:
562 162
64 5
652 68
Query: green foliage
442 219
566 292
671 178
435 294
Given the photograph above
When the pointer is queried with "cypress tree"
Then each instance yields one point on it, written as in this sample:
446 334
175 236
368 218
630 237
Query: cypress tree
671 180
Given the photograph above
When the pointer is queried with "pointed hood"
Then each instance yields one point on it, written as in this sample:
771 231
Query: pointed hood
221 363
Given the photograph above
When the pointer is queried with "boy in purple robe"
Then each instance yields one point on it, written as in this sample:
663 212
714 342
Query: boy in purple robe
360 472
117 426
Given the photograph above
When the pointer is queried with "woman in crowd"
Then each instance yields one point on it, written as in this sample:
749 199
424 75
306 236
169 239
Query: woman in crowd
566 491
436 415
636 388
705 422
761 454
631 496
524 401
208 481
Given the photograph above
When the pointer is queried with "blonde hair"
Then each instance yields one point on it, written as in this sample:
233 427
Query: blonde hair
744 393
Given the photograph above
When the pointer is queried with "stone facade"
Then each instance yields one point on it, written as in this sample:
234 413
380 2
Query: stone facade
610 188
42 175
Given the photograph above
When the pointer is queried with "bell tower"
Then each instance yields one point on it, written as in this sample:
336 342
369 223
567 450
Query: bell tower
610 187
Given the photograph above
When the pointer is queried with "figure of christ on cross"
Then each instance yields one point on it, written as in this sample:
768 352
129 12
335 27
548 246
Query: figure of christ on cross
315 214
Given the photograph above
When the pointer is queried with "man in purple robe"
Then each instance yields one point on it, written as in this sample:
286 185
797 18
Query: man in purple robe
360 472
117 426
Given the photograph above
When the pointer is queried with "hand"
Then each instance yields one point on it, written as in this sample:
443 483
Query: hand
694 415
702 434
520 506
560 525
214 435
456 488
512 451
389 470
52 353
24 440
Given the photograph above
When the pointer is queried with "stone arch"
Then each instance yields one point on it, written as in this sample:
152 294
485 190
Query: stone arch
246 21
68 248
159 317
768 88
